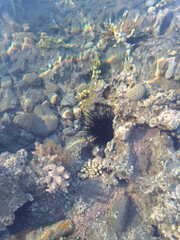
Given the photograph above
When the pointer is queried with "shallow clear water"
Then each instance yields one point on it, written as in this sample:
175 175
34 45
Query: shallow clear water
89 119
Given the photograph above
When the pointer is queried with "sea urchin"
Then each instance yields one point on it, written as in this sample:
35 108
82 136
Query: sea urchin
98 124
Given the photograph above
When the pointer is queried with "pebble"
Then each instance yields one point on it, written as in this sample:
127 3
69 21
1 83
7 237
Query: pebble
68 100
66 113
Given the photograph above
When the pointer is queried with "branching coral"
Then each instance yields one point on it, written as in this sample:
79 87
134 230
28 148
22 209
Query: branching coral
56 177
48 166
93 169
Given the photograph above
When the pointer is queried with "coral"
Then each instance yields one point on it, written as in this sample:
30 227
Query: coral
92 168
47 163
12 185
55 177
136 92
115 33
48 42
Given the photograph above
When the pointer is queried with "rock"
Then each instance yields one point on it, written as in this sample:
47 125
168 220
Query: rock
8 100
140 233
177 72
13 192
27 105
136 93
42 122
53 98
167 119
150 3
68 100
66 113
4 68
123 132
151 10
119 213
6 82
15 71
69 131
77 112
100 230
32 79
171 67
23 120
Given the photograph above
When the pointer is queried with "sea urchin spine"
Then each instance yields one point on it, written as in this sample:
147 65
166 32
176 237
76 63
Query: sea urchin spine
98 124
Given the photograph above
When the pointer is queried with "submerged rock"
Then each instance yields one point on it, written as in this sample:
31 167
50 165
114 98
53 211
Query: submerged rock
42 122
32 79
119 213
8 100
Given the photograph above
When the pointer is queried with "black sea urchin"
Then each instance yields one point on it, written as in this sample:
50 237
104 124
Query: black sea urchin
23 219
98 124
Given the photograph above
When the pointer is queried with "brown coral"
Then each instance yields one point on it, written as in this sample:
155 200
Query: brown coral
136 93
50 148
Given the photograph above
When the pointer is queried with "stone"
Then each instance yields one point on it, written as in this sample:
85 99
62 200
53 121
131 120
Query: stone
66 113
27 105
100 230
68 100
6 82
44 121
32 79
123 132
57 230
77 112
150 3
177 72
23 120
8 100
119 213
